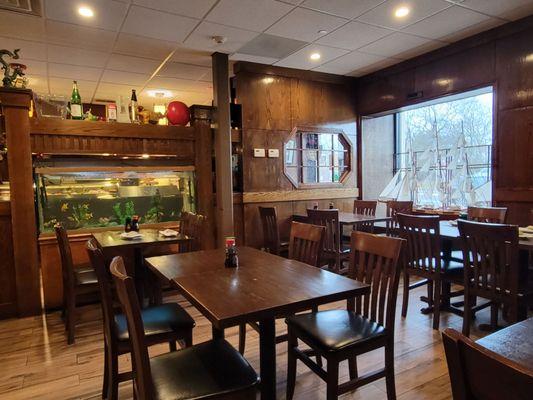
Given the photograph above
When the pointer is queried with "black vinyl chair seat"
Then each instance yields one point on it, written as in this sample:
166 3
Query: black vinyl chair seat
85 277
206 370
452 267
335 330
157 320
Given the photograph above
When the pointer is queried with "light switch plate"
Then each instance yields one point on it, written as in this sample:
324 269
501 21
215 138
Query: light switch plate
273 153
259 152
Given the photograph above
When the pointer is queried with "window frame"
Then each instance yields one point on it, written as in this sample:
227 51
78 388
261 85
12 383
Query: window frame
296 134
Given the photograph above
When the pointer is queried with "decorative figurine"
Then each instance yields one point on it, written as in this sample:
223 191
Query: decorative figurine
11 70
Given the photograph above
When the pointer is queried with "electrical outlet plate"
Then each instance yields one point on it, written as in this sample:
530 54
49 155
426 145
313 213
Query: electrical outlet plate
259 152
273 153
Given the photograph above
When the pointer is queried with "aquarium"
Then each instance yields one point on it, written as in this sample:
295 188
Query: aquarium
90 198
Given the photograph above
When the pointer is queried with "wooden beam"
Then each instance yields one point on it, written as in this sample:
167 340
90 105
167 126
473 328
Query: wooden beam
15 107
299 195
224 184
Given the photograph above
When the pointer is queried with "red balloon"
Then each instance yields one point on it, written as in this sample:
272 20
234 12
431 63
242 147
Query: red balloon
178 113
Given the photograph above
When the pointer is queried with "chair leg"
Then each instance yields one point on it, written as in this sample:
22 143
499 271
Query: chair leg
71 320
105 385
242 338
332 391
467 315
494 316
318 357
112 365
405 302
436 304
352 367
292 343
389 371
188 339
172 345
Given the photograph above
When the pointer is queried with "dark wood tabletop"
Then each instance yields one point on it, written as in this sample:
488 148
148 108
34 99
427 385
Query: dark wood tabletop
514 342
263 286
150 237
346 218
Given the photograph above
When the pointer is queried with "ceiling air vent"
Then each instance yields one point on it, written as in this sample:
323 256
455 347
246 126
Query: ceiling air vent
22 6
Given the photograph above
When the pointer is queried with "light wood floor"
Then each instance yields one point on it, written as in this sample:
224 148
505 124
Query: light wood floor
37 363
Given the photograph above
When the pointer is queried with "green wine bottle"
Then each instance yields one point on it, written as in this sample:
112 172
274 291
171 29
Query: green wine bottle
76 108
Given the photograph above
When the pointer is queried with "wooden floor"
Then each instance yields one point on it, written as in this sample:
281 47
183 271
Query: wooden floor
37 363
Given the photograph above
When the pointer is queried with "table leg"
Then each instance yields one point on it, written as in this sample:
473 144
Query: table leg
217 333
267 355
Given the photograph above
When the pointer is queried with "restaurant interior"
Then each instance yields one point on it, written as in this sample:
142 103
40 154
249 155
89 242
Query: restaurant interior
266 199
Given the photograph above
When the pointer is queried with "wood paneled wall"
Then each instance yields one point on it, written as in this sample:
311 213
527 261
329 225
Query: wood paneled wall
275 100
502 57
8 293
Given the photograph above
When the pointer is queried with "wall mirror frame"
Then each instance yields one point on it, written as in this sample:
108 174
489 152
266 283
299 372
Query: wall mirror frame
317 157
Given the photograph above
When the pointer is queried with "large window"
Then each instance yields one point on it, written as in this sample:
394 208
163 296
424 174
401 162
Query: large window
316 157
445 149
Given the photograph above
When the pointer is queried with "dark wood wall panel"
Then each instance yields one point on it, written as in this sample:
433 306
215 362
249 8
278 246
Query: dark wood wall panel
8 294
502 57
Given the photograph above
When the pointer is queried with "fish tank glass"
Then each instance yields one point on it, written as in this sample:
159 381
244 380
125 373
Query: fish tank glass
105 198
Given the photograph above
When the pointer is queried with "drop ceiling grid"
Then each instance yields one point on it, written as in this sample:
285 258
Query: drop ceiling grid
200 14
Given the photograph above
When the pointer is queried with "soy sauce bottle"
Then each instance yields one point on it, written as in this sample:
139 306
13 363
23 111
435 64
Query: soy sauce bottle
331 206
127 225
135 223
232 259
315 206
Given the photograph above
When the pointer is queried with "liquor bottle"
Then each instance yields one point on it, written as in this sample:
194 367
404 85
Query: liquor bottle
76 108
134 118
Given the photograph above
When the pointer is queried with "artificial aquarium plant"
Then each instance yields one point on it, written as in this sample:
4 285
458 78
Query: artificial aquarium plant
81 215
155 212
121 213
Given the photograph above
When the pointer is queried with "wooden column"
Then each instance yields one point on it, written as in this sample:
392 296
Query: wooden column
224 184
203 150
15 105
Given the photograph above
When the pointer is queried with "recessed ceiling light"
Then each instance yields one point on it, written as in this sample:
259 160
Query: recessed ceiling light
159 93
401 12
315 56
85 11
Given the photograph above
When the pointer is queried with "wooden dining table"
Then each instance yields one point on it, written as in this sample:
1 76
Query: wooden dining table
514 343
112 242
347 218
262 288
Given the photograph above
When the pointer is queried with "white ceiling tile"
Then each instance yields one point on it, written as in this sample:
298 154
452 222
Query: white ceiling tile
119 62
383 15
179 84
255 59
246 14
184 71
446 23
349 62
301 58
76 56
74 72
38 83
354 35
61 86
511 9
303 24
124 78
374 67
201 38
134 45
473 29
79 36
195 9
11 24
157 24
343 8
113 91
191 56
28 50
393 45
108 14
34 66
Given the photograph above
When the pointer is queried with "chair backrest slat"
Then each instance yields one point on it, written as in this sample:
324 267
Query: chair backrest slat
305 243
192 225
65 252
365 207
130 306
494 215
396 207
477 373
269 222
374 260
422 235
330 220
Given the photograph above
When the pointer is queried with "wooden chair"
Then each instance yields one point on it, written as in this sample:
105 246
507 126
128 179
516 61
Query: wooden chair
366 325
364 207
477 373
77 281
493 215
305 245
193 225
491 268
393 208
164 323
213 369
422 258
333 252
271 237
